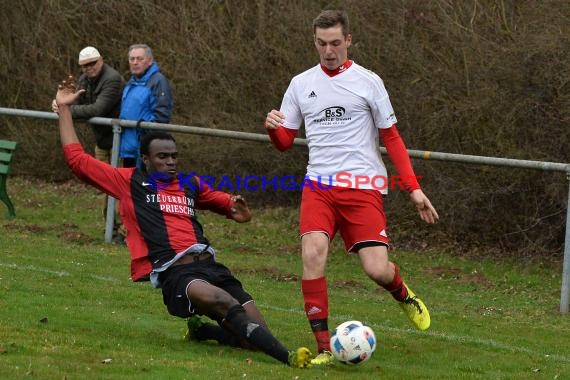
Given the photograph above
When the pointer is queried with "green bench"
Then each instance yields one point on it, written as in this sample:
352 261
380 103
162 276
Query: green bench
7 149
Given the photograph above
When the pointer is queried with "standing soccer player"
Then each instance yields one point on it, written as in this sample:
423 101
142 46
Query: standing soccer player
346 110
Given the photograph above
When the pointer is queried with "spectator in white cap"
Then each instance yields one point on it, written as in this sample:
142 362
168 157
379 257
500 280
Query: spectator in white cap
103 87
88 55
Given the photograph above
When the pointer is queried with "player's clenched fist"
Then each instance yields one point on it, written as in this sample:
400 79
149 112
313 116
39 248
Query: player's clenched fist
274 119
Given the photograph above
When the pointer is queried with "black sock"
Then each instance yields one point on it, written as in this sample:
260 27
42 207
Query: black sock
209 331
256 334
320 330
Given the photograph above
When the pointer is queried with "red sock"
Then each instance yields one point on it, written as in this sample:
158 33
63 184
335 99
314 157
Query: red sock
317 310
396 287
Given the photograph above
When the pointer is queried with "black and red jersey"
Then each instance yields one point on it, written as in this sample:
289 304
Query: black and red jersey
159 222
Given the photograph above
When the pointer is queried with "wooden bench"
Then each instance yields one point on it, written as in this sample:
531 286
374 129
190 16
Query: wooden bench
7 149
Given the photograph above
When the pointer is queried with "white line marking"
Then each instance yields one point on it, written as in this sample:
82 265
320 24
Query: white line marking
340 318
55 273
440 335
33 268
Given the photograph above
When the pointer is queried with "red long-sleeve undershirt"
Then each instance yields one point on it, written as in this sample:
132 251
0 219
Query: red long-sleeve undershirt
399 156
282 138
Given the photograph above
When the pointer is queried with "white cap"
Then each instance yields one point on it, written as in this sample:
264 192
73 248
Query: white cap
88 54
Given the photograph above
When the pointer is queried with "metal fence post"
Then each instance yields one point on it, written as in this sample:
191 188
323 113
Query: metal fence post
110 217
565 292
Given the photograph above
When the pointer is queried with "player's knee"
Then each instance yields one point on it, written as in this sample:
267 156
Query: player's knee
315 244
314 266
314 253
381 274
223 301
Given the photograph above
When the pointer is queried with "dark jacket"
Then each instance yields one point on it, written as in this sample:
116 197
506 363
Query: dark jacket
102 98
146 98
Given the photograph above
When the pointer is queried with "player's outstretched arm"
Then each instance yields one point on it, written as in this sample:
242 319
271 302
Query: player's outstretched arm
427 212
65 97
240 210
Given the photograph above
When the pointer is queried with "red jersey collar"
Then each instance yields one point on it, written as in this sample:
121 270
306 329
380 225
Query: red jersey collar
338 70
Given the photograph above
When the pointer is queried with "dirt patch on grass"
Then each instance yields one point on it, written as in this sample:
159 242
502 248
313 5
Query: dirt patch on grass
285 250
76 237
459 275
347 284
25 228
70 232
271 273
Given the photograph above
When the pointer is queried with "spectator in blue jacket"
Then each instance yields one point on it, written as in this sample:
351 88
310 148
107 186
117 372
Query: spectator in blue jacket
146 97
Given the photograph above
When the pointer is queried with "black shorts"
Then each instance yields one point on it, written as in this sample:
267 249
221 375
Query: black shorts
175 280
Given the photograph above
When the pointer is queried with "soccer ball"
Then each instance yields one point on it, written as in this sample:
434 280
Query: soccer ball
353 342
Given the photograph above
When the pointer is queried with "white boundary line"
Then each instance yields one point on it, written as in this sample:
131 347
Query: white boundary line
55 273
440 335
340 318
34 268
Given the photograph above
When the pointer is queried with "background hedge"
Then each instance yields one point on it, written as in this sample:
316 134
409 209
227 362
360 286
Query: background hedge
473 77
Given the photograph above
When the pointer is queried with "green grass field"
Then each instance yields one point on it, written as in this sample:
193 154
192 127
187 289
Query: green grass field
68 309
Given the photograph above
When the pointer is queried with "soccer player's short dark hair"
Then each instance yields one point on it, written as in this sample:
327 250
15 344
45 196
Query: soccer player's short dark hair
330 18
154 135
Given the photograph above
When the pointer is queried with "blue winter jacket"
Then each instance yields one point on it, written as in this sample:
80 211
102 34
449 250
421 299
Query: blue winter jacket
147 98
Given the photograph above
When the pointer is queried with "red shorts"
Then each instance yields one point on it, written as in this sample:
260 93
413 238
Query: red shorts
357 213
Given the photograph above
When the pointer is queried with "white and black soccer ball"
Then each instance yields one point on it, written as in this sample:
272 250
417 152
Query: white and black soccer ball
353 342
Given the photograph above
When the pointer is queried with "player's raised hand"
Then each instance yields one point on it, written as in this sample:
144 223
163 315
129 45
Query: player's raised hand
274 119
67 92
424 206
240 210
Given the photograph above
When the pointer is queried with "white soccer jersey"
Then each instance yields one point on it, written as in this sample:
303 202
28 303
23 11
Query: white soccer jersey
342 115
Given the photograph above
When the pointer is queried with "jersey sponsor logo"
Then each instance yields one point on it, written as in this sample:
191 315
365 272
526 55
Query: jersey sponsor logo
334 115
312 95
335 111
143 183
172 204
